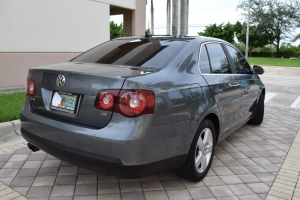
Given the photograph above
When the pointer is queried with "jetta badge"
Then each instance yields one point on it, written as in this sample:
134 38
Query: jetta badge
60 81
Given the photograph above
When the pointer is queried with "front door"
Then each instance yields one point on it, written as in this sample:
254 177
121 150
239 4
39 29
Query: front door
249 87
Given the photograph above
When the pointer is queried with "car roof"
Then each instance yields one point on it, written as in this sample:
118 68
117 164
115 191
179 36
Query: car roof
200 39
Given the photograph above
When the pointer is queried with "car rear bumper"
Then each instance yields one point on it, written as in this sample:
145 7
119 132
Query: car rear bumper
124 145
99 163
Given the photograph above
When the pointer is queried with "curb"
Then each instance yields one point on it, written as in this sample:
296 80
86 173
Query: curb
8 130
20 88
287 182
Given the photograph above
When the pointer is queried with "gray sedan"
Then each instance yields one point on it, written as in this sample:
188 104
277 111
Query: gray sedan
135 106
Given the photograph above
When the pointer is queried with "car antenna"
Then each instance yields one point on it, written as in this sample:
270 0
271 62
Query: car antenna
147 35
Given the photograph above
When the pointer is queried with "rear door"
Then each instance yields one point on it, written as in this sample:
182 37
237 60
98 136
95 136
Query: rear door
216 69
249 87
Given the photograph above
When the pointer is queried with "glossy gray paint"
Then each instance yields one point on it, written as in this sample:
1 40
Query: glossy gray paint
236 107
183 99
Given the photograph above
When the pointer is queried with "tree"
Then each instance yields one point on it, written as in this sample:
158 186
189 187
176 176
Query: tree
224 32
256 39
289 51
152 17
273 18
116 30
175 16
297 37
168 17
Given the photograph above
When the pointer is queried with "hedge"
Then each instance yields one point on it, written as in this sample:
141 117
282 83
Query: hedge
284 54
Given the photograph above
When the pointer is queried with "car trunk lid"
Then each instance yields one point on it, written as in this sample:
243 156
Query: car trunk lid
83 81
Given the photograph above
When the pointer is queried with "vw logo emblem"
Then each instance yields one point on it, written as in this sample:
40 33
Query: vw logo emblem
60 81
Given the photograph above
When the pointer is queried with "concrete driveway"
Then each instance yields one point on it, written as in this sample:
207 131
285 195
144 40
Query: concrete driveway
282 86
255 162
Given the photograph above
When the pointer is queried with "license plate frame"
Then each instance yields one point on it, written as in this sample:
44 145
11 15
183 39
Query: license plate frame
68 103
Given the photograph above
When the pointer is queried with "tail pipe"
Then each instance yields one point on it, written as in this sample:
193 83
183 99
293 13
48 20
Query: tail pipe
33 148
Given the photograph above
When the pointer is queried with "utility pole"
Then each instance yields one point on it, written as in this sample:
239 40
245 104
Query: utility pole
247 36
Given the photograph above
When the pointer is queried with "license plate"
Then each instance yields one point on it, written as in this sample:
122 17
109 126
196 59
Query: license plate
64 101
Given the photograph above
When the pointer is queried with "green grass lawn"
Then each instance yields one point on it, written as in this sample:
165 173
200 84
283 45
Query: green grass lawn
274 61
10 105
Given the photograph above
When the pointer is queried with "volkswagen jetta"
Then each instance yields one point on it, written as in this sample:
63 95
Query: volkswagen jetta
135 106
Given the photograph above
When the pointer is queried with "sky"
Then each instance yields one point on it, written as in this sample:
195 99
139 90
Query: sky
201 14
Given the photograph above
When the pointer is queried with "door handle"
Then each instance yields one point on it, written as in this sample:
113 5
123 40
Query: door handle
233 84
243 86
218 91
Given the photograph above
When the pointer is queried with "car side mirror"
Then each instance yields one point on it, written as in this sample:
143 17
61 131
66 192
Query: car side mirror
258 69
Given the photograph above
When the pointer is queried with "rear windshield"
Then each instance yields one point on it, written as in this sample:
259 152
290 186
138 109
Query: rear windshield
151 53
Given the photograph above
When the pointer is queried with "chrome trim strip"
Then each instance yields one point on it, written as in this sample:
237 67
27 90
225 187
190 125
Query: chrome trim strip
219 42
227 74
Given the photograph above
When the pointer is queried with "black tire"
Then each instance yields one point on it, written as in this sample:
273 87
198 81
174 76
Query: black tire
189 170
258 117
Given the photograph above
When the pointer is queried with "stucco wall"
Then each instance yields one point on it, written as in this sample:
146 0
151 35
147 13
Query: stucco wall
41 32
139 17
129 4
134 20
52 25
14 66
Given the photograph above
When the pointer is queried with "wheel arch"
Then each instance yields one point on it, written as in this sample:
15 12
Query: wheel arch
216 122
263 91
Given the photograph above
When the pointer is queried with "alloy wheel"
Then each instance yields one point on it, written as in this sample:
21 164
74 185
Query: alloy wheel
204 150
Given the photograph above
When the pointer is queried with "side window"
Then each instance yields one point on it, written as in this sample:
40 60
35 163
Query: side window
204 61
218 60
240 63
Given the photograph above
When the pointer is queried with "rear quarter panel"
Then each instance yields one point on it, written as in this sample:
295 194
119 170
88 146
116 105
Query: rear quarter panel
178 111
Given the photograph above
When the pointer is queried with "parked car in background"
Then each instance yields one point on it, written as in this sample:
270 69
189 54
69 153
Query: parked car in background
136 106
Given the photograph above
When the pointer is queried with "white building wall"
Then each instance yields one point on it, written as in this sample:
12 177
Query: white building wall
41 32
53 25
129 4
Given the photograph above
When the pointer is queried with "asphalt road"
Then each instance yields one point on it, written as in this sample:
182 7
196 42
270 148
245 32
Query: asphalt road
284 80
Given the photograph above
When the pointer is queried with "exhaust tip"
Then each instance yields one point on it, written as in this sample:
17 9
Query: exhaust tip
32 147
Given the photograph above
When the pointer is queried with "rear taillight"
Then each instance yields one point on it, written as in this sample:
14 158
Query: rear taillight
105 100
30 87
129 103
